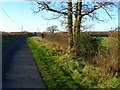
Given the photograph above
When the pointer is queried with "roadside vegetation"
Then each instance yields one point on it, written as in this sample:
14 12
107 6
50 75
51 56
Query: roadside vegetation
73 60
90 62
45 57
60 70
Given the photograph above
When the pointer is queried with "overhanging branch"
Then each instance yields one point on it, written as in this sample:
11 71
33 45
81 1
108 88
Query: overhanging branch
45 6
107 12
96 8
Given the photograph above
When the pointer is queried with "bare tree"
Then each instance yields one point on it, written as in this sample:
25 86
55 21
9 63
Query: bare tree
78 11
52 29
70 24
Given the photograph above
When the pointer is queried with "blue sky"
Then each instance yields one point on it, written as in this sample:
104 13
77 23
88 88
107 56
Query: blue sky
20 14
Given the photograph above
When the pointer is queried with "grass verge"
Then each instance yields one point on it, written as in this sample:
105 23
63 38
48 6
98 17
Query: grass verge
62 71
45 58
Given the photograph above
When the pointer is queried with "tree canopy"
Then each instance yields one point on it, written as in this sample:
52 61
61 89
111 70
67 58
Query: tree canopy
74 13
52 29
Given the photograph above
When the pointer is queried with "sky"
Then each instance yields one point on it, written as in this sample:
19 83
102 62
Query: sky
18 16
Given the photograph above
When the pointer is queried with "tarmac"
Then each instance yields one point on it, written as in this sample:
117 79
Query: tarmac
19 69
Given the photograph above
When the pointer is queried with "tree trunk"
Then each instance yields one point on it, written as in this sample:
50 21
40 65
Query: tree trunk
77 31
75 25
70 24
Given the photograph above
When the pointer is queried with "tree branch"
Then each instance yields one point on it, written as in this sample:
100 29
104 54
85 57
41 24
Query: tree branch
107 13
53 10
96 8
45 6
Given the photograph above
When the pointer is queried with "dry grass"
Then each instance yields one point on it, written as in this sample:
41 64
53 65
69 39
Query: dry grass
58 40
107 59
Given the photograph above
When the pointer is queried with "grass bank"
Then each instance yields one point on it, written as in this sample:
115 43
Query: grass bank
45 58
62 71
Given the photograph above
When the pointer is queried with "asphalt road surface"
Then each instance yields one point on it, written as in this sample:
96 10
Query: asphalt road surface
19 69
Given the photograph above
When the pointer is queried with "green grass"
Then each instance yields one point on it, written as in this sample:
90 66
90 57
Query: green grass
62 71
105 41
45 58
